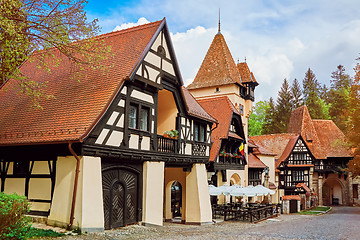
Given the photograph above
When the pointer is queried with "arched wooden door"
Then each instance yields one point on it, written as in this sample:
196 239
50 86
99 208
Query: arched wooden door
120 188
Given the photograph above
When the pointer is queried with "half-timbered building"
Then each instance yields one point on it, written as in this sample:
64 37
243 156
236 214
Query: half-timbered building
310 159
226 91
95 156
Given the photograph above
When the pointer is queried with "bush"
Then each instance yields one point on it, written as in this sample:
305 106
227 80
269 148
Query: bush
13 222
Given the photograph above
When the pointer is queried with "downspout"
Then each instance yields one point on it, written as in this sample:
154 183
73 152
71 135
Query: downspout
75 186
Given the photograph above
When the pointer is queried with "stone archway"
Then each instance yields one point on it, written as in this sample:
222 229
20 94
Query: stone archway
333 191
235 179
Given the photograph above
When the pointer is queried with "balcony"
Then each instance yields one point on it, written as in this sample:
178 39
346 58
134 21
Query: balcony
167 145
232 160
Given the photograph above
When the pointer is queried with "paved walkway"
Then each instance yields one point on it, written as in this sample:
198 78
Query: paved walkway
340 223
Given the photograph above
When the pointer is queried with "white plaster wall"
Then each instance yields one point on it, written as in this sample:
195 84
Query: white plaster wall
153 192
89 213
198 207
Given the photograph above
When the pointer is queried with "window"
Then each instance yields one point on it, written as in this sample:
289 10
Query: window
355 191
20 168
136 112
217 90
242 109
298 176
132 116
199 132
144 118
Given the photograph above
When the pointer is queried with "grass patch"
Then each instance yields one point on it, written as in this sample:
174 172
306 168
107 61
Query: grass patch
36 233
315 211
320 209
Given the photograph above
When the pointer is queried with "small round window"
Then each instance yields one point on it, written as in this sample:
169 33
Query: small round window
161 51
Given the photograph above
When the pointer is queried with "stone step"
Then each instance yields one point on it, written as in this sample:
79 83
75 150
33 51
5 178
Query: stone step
38 219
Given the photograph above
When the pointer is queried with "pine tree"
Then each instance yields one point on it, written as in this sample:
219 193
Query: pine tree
311 96
296 94
339 97
283 108
268 126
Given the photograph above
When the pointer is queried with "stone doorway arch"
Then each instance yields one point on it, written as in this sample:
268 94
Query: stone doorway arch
333 191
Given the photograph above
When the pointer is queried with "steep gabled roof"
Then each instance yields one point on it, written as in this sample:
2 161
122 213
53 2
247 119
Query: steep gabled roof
323 137
218 66
255 162
78 104
194 108
245 74
222 110
331 138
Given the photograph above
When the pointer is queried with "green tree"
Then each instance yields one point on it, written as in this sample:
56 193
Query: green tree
296 94
353 128
31 25
311 96
257 118
283 108
339 97
268 126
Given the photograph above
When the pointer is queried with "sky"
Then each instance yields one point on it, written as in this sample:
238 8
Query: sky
278 38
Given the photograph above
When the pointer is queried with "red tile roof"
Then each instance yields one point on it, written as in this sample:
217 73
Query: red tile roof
255 162
222 110
245 74
331 139
194 108
323 137
291 197
218 66
304 186
301 123
259 149
275 143
78 104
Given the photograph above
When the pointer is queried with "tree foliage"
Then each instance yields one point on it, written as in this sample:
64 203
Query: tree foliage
311 96
283 108
296 94
353 128
339 97
42 25
270 112
257 118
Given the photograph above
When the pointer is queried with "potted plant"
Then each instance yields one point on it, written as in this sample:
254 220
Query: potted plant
222 153
173 133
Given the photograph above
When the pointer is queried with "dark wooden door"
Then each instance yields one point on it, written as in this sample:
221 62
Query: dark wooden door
293 206
120 188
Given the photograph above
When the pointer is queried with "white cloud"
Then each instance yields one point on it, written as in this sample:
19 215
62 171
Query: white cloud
141 21
280 39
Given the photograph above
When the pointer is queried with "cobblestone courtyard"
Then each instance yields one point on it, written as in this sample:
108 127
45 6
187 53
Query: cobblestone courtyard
340 223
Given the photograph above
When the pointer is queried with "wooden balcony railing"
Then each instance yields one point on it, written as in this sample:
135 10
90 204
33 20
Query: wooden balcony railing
232 160
254 182
167 145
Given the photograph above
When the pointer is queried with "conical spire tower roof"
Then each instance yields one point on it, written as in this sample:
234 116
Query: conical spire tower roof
218 67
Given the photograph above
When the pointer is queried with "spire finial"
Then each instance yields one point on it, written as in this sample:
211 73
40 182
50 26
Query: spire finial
219 21
245 59
238 61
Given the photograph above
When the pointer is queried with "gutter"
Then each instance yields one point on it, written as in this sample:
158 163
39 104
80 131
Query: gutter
75 186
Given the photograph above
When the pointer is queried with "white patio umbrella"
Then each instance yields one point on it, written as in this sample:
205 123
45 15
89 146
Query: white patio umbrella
260 189
214 191
225 189
246 191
